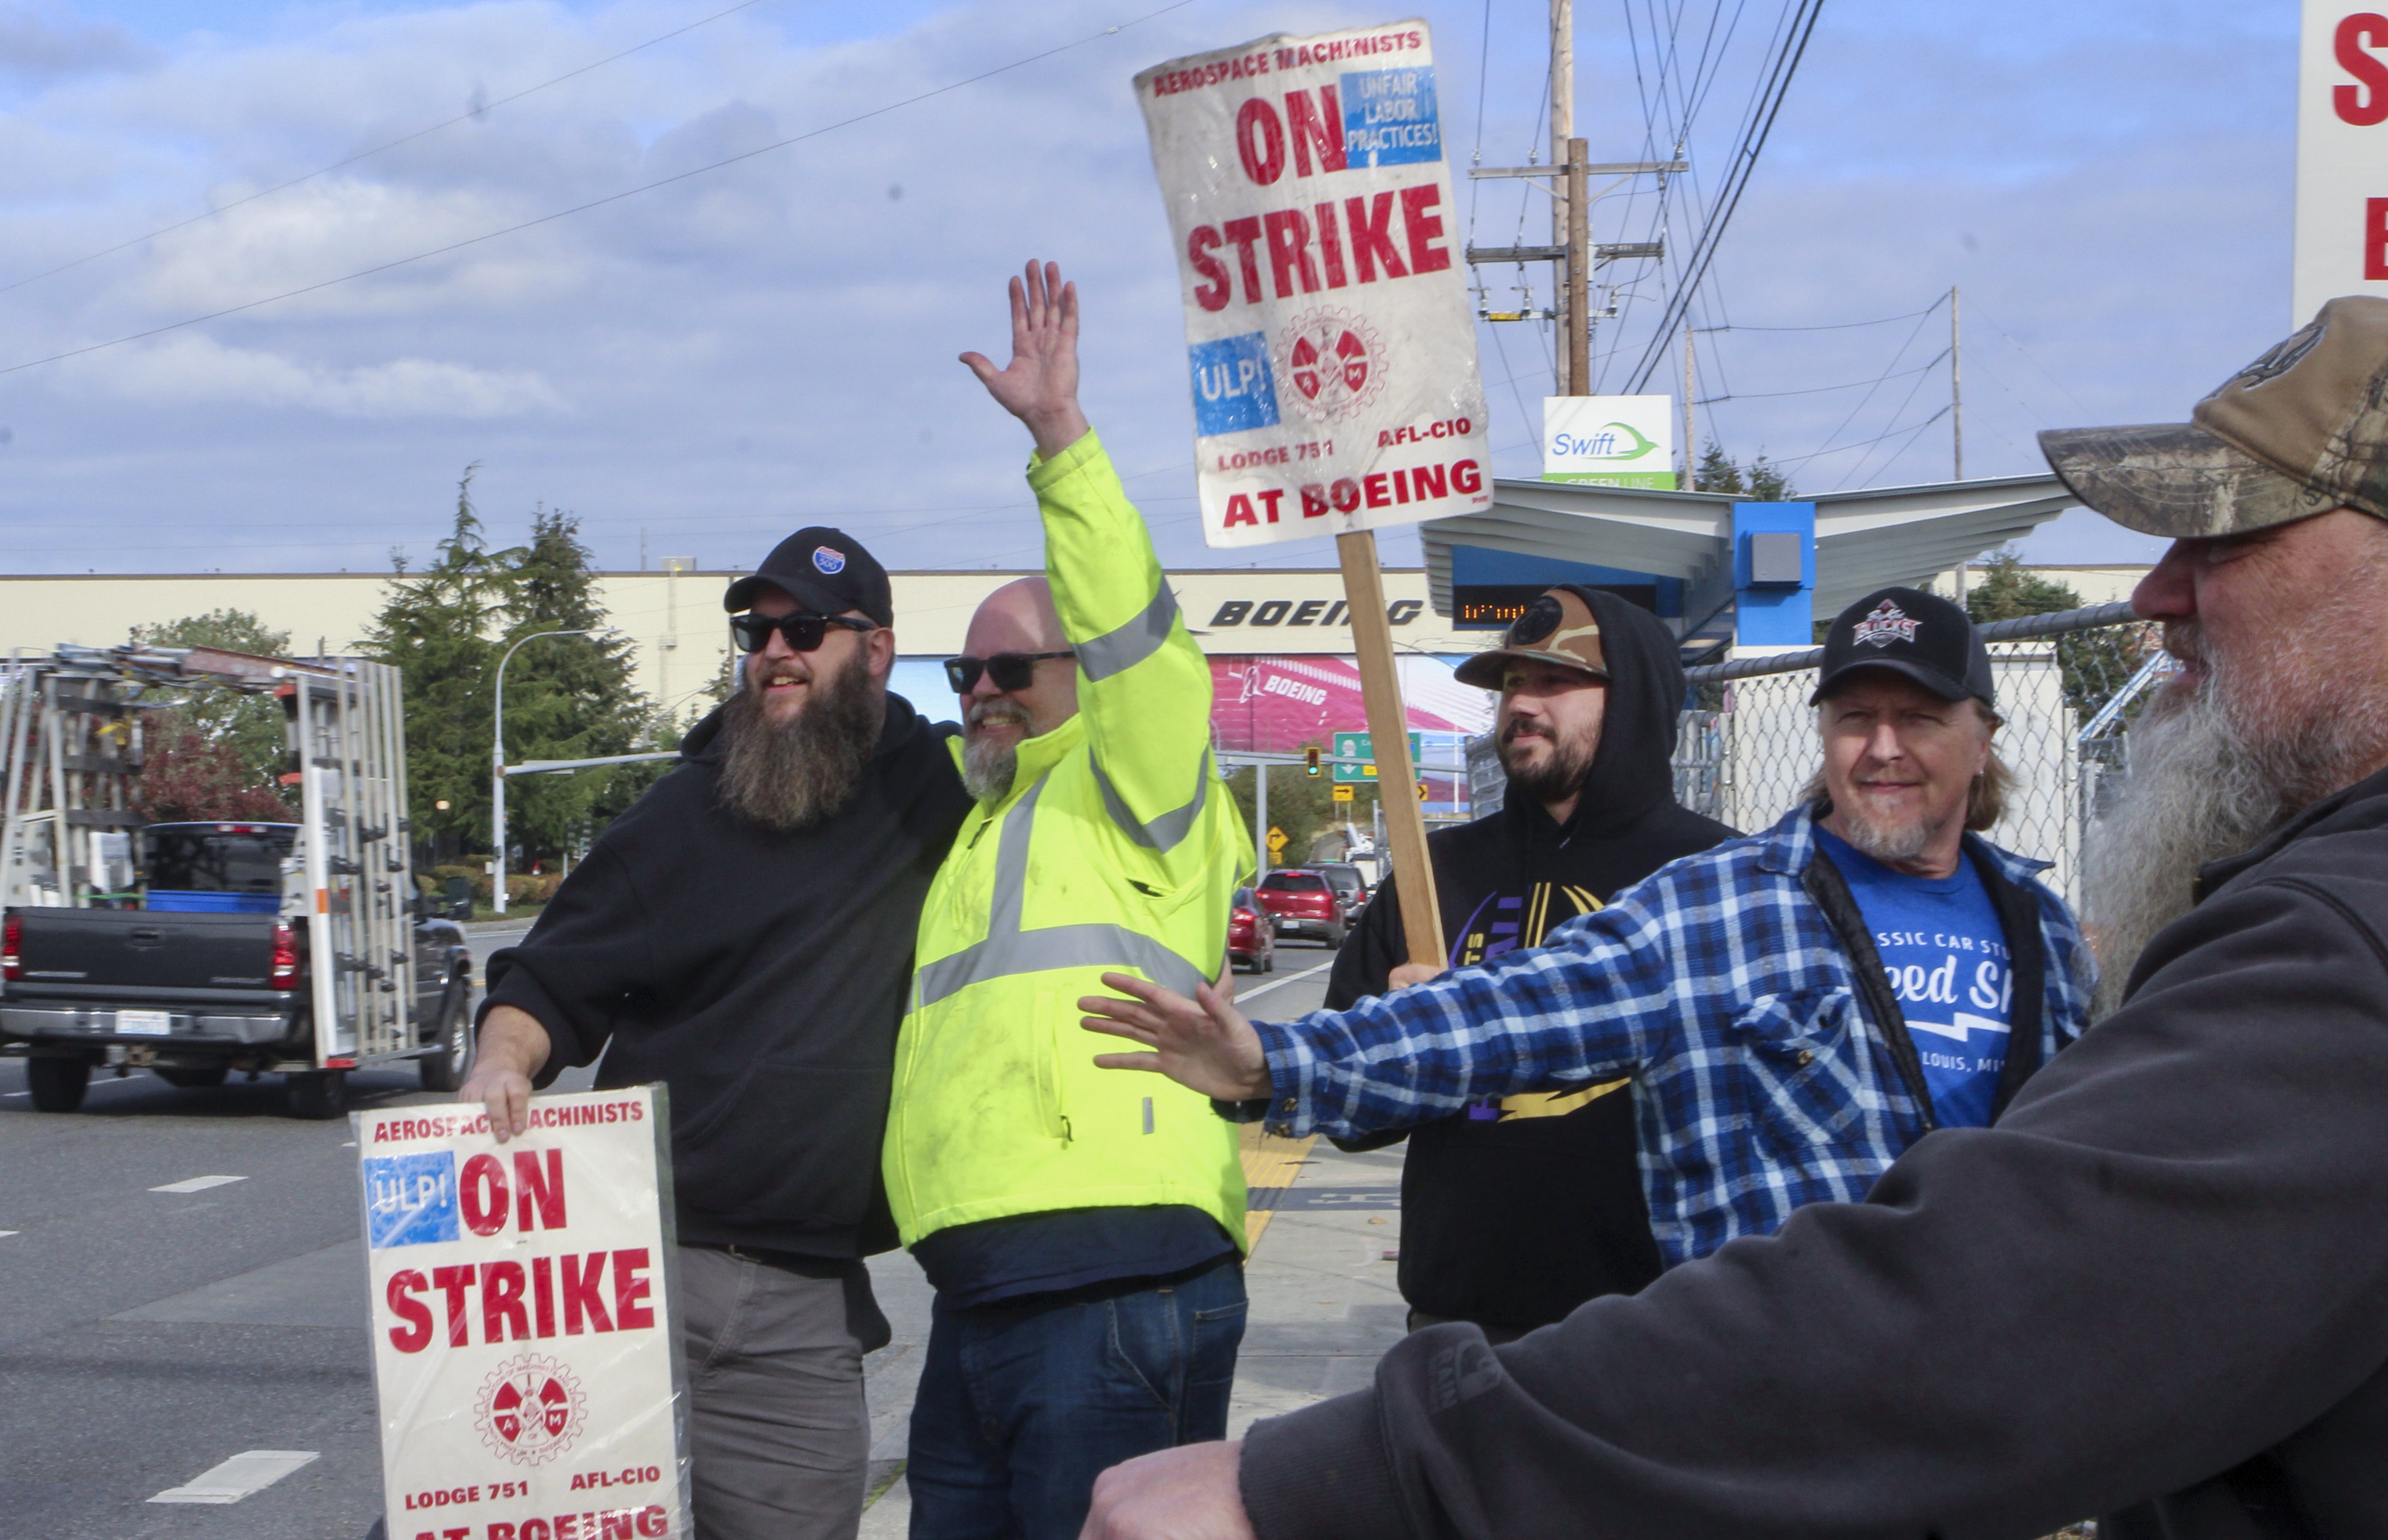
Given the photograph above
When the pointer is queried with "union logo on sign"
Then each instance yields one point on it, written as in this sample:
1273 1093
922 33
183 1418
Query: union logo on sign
1335 361
530 1409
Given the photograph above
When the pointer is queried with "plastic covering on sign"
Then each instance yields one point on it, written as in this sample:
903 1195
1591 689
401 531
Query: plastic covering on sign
1330 346
526 1321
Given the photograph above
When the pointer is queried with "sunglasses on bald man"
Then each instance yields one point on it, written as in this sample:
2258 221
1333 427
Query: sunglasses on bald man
1008 670
804 633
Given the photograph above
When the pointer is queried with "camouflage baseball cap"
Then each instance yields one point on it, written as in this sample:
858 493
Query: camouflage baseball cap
1557 627
2301 430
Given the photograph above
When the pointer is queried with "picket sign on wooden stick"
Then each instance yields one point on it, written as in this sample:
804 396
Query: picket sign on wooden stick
1380 691
1331 343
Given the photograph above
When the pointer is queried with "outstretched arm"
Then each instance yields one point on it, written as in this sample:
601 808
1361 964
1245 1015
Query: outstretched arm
1205 1043
1040 385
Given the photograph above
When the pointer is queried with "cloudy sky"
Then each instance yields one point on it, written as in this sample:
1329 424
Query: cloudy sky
698 369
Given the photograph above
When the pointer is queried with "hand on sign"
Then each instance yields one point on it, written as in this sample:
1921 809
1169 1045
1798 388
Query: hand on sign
1205 1043
1040 385
511 1047
1407 974
1183 1494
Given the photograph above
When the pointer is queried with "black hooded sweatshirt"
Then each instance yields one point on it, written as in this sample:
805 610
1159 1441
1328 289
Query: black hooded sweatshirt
761 976
1514 1215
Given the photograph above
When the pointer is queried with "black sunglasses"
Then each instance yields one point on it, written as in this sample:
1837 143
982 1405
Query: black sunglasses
1008 670
804 632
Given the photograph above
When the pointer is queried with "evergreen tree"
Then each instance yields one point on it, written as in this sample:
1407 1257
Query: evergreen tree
2003 589
244 734
567 697
1759 481
436 628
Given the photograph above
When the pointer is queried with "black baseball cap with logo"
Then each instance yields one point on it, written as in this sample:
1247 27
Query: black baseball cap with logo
825 570
1909 632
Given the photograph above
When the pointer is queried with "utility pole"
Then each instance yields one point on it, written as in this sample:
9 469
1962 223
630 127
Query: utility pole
1691 450
1260 819
1566 196
1956 390
1578 273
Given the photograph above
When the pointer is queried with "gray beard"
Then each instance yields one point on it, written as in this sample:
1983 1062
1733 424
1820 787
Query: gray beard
1888 843
794 776
2206 783
989 767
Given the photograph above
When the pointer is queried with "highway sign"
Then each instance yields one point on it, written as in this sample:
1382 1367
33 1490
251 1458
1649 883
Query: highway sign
1343 794
1349 746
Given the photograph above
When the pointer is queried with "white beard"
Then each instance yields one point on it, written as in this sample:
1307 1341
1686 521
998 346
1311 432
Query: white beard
2213 773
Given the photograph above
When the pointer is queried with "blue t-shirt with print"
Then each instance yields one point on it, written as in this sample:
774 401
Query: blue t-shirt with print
1945 953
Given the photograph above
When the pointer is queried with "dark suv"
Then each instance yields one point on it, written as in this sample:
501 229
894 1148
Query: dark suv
1350 886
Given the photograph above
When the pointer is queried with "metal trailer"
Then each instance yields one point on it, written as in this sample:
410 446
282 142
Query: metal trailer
71 741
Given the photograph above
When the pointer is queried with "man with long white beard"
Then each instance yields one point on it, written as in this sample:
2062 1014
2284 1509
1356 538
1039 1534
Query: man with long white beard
1796 1008
1085 1233
743 933
2156 1288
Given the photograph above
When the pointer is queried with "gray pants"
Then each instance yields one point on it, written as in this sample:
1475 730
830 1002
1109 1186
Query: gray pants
778 1435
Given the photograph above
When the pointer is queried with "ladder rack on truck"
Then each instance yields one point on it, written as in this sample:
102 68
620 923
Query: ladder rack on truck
346 933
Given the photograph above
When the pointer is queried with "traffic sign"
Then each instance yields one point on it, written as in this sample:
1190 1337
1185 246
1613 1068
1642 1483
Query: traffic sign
1343 794
1355 745
1277 839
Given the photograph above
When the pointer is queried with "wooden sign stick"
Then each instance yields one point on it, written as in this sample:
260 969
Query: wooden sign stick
1388 733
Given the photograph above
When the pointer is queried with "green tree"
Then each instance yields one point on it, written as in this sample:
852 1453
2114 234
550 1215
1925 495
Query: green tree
2095 663
567 697
244 733
436 628
1304 806
1760 481
2003 589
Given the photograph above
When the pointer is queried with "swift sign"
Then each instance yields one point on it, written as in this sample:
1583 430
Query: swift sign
1611 441
525 1349
1329 343
2342 216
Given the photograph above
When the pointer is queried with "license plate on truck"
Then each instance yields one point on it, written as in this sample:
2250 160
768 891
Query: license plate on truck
144 1024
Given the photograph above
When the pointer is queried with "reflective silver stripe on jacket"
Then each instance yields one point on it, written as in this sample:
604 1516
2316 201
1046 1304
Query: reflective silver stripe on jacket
1008 949
1117 651
1167 831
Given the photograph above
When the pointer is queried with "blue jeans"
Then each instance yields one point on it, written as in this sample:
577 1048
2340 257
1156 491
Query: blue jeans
1021 1407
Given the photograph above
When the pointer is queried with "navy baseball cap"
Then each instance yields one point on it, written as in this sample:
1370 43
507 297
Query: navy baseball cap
825 570
1908 631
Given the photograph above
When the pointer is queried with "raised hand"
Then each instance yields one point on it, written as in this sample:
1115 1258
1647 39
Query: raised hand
1205 1043
1040 385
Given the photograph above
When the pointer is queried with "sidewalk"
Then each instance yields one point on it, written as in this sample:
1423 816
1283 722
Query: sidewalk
1323 1306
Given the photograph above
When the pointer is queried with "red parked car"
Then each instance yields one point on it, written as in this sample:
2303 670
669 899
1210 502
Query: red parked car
1252 934
1305 903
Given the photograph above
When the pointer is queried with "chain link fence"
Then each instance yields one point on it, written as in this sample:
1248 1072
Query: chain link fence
2069 685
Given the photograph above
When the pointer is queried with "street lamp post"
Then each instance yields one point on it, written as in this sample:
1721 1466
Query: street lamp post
498 765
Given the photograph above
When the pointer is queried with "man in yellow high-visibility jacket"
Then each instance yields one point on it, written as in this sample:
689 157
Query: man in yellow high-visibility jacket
1085 1230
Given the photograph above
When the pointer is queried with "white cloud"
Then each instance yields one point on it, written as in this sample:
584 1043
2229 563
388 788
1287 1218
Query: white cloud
198 371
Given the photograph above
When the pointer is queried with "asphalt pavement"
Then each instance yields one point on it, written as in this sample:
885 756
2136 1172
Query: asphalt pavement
150 1335
185 1287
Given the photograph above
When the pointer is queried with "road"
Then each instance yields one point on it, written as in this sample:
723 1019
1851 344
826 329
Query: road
152 1335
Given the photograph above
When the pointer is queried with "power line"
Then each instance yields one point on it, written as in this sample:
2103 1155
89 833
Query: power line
367 155
1862 443
1932 363
593 203
1768 105
1833 326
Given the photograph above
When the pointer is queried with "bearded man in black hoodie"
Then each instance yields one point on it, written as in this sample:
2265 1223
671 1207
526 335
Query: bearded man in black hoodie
1522 1208
744 934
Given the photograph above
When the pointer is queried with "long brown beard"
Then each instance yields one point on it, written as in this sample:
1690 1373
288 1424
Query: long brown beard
793 775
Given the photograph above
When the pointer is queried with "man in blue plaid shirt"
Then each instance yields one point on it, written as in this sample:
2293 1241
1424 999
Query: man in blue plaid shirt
1796 1008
